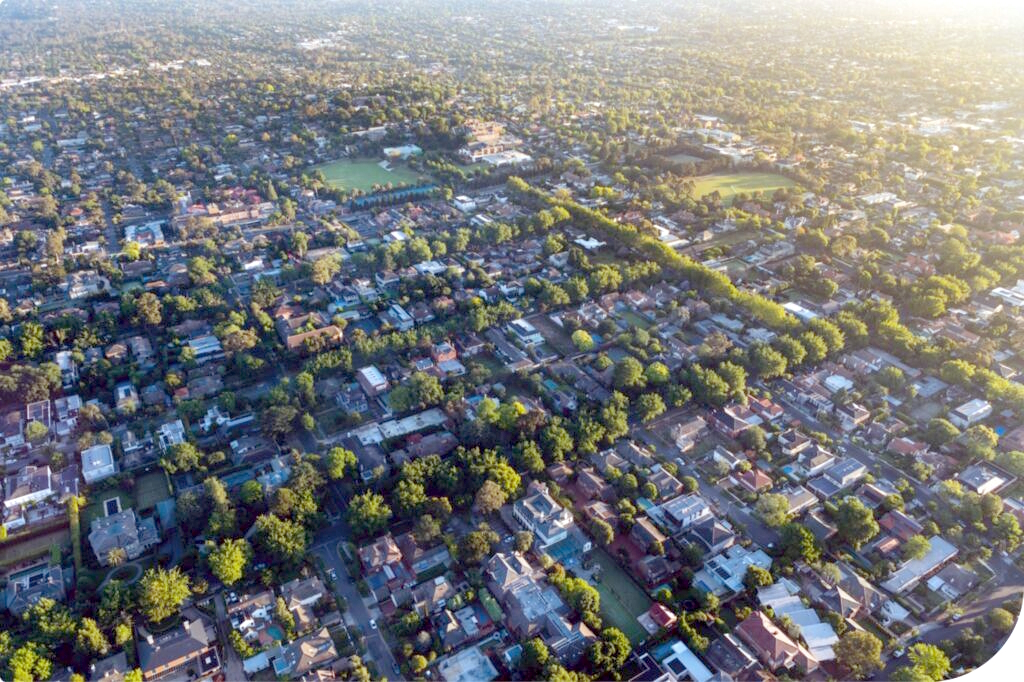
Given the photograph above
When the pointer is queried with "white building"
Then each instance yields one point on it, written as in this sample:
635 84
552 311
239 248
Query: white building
170 434
539 513
970 413
525 333
98 463
372 380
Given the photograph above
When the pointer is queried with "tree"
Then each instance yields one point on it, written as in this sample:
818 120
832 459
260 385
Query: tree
29 663
300 243
31 340
368 514
629 374
916 547
534 657
602 532
161 592
860 652
251 493
489 498
475 546
610 653
767 362
657 374
283 615
148 310
940 431
409 498
523 541
929 661
757 577
708 387
799 544
182 457
855 522
1000 621
649 406
426 529
583 341
228 560
90 640
773 508
338 462
280 539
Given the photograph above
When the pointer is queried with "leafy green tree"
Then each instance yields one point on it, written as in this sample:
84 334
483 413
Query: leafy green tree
610 653
916 547
773 508
523 541
534 657
860 652
368 514
280 539
798 543
339 462
629 374
649 406
161 591
228 559
1000 621
767 362
31 340
940 431
583 341
30 663
855 522
90 640
657 374
476 546
603 532
757 577
929 661
489 498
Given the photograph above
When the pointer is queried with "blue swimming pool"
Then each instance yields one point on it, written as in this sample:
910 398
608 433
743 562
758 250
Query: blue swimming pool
276 632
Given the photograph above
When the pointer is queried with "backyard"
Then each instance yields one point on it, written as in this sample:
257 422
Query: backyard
16 552
150 489
730 184
365 174
622 600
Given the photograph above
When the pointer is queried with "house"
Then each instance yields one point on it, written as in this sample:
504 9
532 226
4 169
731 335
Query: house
372 380
728 655
526 601
190 646
711 535
845 472
724 573
793 442
668 485
683 664
422 559
772 646
110 669
32 484
900 525
852 416
122 530
970 413
294 661
28 586
688 434
379 553
539 513
68 368
727 458
593 487
907 576
431 596
645 534
525 333
126 398
732 420
170 434
983 479
98 463
681 513
303 592
799 498
754 480
467 665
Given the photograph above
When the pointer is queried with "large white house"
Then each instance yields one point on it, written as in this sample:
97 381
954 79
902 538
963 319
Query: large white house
98 463
539 513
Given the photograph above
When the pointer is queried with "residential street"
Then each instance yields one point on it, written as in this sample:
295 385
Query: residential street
327 549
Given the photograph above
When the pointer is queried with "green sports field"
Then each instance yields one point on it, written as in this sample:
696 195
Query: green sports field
365 174
729 185
622 600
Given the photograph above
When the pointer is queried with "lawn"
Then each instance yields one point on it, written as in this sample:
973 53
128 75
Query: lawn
622 600
95 510
490 605
365 174
150 489
684 158
730 184
15 552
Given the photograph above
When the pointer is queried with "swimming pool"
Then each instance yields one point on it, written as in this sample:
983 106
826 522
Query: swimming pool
276 632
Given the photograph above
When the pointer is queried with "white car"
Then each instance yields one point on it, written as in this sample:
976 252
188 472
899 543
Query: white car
373 624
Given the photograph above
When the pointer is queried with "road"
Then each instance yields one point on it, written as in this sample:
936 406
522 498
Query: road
230 661
327 549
